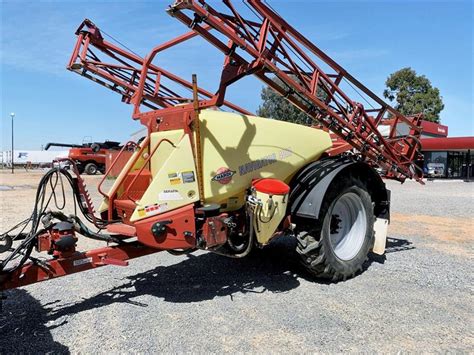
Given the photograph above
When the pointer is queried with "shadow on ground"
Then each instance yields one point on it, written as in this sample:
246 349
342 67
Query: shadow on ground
23 326
392 245
204 277
194 279
395 244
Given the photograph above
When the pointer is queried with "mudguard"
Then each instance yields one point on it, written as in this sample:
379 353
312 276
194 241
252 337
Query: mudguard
309 186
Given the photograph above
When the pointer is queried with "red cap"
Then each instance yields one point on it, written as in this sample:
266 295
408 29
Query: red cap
271 186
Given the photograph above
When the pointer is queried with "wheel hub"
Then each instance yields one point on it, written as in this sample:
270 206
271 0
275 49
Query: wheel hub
348 226
335 223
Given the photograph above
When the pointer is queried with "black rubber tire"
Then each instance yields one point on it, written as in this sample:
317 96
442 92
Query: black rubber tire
313 239
90 169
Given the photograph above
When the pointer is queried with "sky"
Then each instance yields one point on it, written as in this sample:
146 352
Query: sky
370 39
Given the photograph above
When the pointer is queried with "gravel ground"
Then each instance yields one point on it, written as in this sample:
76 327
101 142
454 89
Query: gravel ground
417 298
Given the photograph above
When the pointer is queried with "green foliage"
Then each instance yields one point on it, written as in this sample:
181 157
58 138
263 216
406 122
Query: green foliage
414 94
277 107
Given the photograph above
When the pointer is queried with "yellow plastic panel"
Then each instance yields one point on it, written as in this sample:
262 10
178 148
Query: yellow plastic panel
238 148
165 149
268 216
173 186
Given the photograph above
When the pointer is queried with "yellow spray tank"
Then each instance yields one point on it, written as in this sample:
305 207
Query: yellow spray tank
236 149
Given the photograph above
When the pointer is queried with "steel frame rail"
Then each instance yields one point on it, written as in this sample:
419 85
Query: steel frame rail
278 50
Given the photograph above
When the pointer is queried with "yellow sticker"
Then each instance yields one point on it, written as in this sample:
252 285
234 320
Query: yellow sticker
175 181
141 212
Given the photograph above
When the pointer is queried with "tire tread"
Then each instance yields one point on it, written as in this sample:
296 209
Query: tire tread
312 249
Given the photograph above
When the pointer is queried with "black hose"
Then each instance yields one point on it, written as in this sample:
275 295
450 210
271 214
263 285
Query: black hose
51 178
81 228
250 241
28 243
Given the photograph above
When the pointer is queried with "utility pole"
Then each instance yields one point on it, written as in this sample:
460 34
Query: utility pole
13 166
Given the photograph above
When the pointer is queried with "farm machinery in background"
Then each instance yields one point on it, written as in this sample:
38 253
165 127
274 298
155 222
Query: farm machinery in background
228 182
89 158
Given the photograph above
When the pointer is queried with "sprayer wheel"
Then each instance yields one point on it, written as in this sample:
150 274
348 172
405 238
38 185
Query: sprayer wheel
337 245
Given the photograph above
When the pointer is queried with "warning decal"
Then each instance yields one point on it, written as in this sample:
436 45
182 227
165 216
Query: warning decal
153 209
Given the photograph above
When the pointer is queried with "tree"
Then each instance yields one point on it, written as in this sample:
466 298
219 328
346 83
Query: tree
414 94
277 107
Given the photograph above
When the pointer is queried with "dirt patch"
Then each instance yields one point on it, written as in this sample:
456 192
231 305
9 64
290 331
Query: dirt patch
450 234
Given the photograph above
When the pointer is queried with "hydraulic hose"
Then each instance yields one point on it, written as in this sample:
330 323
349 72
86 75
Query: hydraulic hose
250 241
82 229
53 178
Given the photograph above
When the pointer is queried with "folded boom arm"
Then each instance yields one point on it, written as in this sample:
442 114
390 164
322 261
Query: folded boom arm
269 47
120 70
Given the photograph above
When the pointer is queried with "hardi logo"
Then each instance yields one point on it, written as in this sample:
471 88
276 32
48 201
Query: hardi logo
223 176
441 130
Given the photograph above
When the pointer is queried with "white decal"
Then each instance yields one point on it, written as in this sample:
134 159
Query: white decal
80 262
170 195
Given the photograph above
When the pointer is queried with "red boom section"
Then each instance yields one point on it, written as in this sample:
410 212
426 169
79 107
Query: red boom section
270 48
120 70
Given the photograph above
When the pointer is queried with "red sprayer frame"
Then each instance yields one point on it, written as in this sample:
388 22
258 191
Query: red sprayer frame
53 268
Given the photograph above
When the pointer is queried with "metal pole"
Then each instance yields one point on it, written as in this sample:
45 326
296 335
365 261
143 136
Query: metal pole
197 129
13 165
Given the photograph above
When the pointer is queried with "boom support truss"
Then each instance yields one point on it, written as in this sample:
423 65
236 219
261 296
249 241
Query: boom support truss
269 47
120 70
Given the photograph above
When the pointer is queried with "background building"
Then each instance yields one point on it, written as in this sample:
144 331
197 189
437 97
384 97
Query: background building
446 157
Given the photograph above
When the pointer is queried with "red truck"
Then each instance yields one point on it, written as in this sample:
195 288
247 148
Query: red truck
89 157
